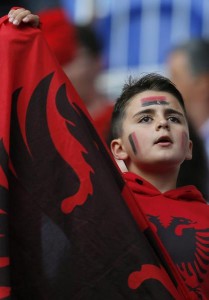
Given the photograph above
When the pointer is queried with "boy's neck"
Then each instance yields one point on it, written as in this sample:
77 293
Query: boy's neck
163 181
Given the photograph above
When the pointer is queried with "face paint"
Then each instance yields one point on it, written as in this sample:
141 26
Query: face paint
134 143
158 100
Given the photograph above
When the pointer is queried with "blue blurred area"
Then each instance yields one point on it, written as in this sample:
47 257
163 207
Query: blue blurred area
140 32
136 34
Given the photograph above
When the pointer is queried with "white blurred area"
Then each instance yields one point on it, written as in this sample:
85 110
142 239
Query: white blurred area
137 34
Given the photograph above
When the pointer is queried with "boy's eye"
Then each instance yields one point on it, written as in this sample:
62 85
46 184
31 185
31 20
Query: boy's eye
145 119
174 119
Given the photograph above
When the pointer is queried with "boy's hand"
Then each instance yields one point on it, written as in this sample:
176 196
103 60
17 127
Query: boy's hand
16 16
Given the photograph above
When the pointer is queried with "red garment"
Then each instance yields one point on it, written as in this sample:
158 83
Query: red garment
180 217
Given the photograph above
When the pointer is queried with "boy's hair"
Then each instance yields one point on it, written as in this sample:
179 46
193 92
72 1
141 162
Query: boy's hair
149 82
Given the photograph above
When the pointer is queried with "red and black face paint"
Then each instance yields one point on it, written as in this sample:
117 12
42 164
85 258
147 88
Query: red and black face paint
133 142
154 100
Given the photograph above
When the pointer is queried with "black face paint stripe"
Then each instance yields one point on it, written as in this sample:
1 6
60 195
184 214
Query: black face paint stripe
132 143
155 102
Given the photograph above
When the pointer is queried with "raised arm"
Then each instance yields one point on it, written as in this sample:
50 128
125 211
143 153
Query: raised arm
16 16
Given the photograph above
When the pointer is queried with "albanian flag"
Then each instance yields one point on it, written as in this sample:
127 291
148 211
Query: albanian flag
66 229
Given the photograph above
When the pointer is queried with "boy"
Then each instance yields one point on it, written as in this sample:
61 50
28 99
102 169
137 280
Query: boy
150 134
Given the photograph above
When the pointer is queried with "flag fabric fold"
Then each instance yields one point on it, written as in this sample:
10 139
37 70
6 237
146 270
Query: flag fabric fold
66 229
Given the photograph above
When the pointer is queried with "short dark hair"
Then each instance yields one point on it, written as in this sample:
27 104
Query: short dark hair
149 82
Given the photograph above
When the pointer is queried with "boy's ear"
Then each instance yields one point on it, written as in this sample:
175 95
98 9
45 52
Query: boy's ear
117 149
189 151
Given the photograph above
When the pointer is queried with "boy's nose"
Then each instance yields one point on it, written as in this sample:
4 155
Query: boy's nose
163 124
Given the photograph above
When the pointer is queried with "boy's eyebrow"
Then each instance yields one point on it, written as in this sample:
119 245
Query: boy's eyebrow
174 111
144 111
152 111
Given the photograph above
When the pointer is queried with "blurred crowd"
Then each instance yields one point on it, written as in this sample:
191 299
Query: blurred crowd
122 39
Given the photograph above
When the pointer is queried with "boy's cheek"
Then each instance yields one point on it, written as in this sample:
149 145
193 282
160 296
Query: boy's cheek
184 140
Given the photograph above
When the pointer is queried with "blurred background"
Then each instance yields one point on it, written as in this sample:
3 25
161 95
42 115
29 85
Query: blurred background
136 34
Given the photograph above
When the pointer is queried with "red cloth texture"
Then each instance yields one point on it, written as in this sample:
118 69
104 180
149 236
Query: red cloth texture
64 221
60 33
180 217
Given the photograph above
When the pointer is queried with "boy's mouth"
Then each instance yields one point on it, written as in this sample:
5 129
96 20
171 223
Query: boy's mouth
163 140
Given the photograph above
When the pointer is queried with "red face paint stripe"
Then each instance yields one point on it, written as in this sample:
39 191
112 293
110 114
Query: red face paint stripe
151 98
154 100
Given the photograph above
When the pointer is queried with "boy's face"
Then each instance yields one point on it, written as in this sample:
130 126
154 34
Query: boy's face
154 133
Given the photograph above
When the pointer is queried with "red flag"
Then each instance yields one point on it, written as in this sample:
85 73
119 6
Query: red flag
71 234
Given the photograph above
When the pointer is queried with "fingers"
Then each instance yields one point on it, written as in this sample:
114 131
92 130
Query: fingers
32 19
22 15
17 16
